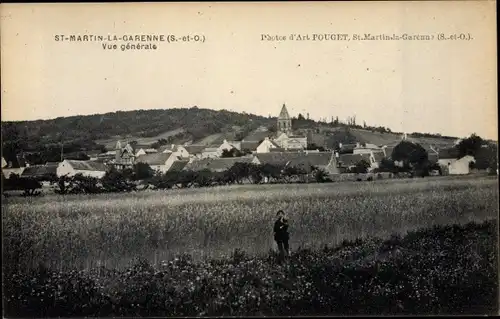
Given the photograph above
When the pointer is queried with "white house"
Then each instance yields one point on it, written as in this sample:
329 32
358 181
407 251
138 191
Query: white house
291 142
211 152
144 151
176 150
366 148
86 168
267 145
452 165
160 162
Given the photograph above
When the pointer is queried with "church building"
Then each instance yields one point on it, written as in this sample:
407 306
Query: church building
284 121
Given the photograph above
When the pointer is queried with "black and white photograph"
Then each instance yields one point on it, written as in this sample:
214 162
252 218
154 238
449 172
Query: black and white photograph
228 159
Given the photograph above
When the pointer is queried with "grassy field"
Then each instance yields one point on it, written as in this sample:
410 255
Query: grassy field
113 230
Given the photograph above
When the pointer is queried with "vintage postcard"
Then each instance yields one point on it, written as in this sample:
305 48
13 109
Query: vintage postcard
249 159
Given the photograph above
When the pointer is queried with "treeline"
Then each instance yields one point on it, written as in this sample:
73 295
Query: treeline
43 138
128 180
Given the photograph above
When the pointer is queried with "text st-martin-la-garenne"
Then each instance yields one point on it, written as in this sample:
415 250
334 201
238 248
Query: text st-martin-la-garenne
109 37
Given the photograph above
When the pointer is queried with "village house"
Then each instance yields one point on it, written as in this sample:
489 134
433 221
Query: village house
176 150
216 164
124 156
291 142
452 164
160 162
326 161
432 154
349 161
267 145
250 146
279 159
194 151
226 146
235 144
387 151
178 165
144 151
346 148
15 165
47 171
86 168
211 151
93 155
365 148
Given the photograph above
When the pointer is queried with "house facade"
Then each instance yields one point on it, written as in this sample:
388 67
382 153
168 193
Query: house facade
16 165
211 152
160 162
267 145
176 150
124 156
456 166
86 168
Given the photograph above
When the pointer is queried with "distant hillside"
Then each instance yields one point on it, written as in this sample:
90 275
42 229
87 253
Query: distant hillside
42 138
90 132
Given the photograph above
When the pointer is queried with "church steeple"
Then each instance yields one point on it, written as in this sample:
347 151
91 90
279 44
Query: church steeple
284 120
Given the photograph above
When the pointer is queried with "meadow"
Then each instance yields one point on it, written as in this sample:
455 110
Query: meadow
114 230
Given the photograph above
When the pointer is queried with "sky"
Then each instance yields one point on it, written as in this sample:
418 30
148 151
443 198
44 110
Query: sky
446 87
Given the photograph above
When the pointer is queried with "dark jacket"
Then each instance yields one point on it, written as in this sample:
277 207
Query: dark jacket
281 230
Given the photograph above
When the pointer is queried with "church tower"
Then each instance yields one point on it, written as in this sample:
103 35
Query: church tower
284 121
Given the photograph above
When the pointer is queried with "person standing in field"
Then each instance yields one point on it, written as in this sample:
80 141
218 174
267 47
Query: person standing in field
281 235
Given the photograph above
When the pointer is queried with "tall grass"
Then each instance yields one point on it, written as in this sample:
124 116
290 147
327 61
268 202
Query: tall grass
112 230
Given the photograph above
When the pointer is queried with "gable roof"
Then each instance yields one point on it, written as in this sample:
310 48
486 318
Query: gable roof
87 165
257 136
4 162
378 156
448 153
169 147
194 149
216 163
277 158
388 151
178 165
17 161
40 170
154 158
307 160
250 145
284 113
353 159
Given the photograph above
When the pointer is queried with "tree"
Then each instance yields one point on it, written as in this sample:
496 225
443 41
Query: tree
320 176
411 154
115 181
387 165
300 117
361 167
486 158
469 146
142 171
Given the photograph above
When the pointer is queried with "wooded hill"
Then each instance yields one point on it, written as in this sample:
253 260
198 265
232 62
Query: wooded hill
165 126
